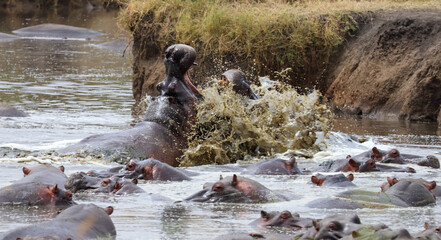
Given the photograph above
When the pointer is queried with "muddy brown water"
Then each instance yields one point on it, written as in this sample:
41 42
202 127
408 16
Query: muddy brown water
72 89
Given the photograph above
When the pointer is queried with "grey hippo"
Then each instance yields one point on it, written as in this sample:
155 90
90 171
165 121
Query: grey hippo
84 221
169 117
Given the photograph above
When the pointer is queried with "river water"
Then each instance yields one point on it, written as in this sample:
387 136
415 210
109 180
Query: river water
72 89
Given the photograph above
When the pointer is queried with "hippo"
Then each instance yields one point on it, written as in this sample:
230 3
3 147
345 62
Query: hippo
106 173
235 189
240 83
335 180
430 232
81 181
273 166
284 219
379 231
432 186
394 156
83 221
254 236
45 174
31 193
333 227
152 169
8 111
169 117
57 31
404 193
349 164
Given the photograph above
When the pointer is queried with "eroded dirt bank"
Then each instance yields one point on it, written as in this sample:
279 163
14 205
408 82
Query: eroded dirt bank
390 67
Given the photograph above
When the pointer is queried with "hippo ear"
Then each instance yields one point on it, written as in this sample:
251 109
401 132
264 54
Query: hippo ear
54 189
108 210
290 163
26 171
264 215
135 181
431 185
61 168
316 224
392 181
234 182
152 156
348 156
317 180
351 177
220 177
353 163
426 226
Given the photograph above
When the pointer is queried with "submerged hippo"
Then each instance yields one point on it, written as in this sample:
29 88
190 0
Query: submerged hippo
45 174
235 189
273 166
239 81
57 31
405 193
169 117
430 232
8 111
84 221
335 180
394 156
349 164
152 169
284 219
34 194
81 181
333 227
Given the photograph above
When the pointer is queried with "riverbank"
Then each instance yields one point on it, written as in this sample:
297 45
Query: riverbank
295 42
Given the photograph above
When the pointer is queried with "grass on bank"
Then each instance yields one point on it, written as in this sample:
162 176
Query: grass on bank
276 34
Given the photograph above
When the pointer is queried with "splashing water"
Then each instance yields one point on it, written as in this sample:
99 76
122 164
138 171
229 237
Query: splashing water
231 127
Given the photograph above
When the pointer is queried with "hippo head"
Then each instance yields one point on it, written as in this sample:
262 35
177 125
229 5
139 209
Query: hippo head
178 59
368 166
27 171
81 181
240 83
331 180
376 155
413 192
393 156
430 232
336 226
56 195
279 219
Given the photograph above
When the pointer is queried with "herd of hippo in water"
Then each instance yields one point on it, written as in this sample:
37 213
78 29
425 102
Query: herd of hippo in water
154 145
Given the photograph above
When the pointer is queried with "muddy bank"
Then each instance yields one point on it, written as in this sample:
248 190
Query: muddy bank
391 69
389 66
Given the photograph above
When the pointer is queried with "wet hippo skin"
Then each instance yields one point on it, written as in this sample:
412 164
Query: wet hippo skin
84 221
169 117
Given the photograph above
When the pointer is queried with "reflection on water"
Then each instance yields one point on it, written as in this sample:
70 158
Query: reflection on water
73 89
64 85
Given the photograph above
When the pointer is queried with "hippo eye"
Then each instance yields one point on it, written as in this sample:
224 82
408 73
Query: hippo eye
218 188
333 226
105 182
68 195
438 229
131 166
285 215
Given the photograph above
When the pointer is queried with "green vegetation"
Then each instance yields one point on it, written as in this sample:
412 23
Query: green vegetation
270 34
